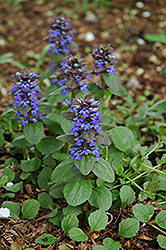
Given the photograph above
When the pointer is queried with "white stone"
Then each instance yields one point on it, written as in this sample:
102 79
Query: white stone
140 71
4 212
132 82
133 12
9 184
140 41
139 5
89 36
146 14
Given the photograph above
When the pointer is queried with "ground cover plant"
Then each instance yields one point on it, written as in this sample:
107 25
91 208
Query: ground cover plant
84 156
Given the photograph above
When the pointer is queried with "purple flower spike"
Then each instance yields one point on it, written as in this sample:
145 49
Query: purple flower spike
25 92
86 127
103 60
59 35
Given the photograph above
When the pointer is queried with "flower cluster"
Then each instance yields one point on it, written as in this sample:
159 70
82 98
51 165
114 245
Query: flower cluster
60 35
73 72
25 93
86 119
103 60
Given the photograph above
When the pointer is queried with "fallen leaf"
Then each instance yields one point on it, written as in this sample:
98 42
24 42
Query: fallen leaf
15 246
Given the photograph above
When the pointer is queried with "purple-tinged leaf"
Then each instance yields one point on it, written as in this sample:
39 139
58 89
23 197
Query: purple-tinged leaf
113 81
102 138
66 138
67 115
88 135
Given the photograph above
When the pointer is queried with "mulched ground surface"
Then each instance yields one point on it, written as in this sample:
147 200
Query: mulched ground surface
117 25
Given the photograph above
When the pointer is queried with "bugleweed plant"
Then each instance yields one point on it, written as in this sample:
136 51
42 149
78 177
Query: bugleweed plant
87 154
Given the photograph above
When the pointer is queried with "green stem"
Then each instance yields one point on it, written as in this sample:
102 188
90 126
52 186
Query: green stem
153 169
66 148
106 153
72 96
153 149
161 231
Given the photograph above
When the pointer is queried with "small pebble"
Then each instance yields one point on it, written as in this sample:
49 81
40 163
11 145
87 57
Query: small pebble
140 71
132 82
140 41
133 12
120 26
146 14
89 36
139 5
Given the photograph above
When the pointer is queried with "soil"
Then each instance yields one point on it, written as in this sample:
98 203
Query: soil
23 27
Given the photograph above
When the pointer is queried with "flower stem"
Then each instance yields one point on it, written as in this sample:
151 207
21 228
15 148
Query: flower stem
161 231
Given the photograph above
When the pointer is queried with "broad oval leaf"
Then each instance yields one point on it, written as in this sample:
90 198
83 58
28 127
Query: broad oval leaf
77 234
101 197
49 145
46 239
161 239
33 132
77 191
30 209
128 228
111 244
45 201
86 164
13 207
122 138
64 172
127 195
161 219
104 171
97 220
68 222
113 81
142 212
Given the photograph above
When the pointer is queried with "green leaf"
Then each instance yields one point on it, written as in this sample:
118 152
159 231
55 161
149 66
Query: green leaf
86 164
110 244
44 177
9 172
2 141
159 106
13 207
66 138
104 171
103 138
49 145
46 73
77 234
122 91
15 188
46 239
156 38
77 191
101 197
118 168
68 222
20 142
52 124
122 138
53 213
61 156
30 209
161 239
7 195
128 228
45 201
56 190
97 220
30 165
161 219
65 124
3 180
113 81
64 172
143 212
56 220
33 132
96 91
127 195
70 209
